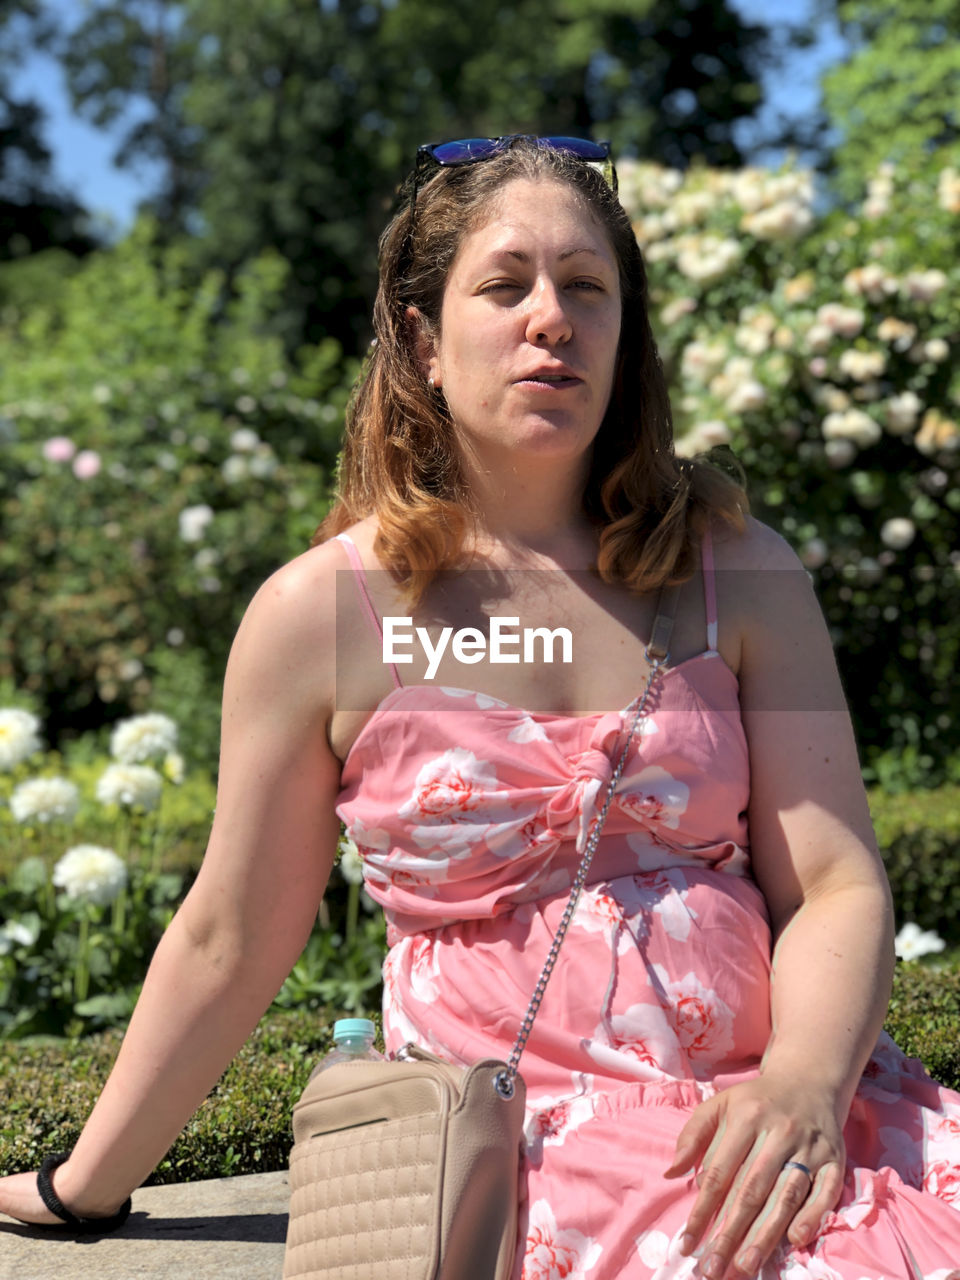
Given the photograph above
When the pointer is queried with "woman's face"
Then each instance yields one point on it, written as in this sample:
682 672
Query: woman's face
529 328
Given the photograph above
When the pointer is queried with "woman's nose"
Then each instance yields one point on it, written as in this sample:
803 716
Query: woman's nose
548 319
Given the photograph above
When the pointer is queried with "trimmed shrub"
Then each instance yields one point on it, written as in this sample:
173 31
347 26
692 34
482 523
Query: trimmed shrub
47 1089
924 1018
919 837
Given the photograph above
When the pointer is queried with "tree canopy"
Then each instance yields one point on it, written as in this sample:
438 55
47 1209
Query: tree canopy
289 123
895 98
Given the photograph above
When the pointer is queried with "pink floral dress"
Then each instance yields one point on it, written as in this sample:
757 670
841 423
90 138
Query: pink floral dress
470 815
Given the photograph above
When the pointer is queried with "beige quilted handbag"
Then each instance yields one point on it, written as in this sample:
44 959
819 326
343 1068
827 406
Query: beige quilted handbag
410 1177
408 1170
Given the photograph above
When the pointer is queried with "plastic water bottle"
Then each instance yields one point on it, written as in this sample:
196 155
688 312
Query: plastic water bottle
352 1042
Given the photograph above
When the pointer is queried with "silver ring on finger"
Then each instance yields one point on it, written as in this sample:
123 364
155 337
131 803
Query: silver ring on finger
795 1164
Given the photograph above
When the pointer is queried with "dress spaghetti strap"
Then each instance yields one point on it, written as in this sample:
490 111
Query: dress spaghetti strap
709 589
360 574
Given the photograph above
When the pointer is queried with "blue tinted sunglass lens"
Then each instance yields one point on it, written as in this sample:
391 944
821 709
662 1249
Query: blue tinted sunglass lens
464 150
582 147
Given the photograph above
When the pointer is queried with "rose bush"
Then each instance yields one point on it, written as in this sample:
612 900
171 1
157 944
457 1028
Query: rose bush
160 454
818 347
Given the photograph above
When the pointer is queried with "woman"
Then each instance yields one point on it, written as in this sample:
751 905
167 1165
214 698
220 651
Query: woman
687 1115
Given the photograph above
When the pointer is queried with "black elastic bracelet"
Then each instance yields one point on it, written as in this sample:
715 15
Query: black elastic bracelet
80 1226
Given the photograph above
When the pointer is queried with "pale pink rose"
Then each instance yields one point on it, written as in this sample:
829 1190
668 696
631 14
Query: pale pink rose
59 449
943 1181
554 1119
456 803
449 785
554 1254
86 464
654 796
639 1043
703 1023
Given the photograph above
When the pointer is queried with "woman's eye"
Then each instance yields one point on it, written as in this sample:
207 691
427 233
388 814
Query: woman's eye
588 284
499 284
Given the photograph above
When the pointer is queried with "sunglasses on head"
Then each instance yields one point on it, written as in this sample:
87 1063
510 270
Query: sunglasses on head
473 150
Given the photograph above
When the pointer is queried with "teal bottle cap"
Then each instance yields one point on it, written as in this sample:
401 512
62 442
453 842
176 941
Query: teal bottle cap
353 1028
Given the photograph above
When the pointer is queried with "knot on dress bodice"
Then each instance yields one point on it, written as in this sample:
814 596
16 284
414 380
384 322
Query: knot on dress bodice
571 808
469 831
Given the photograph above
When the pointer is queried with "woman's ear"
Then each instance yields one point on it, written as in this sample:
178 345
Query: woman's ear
424 346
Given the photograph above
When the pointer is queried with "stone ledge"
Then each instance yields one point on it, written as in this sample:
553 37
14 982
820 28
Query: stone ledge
228 1228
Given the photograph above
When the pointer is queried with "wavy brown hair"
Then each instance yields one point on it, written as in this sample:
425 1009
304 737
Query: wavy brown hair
400 461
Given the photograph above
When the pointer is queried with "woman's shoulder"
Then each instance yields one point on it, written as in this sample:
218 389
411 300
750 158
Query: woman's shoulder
757 547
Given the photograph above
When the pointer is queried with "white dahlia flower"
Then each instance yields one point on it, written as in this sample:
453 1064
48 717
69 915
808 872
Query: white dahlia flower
130 785
912 942
44 800
91 874
143 738
19 736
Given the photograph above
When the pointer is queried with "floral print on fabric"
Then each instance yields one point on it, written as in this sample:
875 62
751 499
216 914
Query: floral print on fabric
469 814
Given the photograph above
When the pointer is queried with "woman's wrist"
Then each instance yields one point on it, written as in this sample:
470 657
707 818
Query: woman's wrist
80 1200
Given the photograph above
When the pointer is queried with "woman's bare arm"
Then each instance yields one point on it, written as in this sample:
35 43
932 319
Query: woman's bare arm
815 858
249 913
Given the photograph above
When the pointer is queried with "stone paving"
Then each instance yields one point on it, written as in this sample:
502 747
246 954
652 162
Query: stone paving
228 1228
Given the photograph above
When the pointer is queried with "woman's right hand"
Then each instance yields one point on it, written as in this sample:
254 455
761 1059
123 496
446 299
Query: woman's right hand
19 1198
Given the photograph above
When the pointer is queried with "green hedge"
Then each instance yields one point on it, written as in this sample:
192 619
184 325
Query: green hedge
919 837
47 1090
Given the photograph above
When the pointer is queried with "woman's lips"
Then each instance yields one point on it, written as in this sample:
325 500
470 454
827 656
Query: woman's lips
550 384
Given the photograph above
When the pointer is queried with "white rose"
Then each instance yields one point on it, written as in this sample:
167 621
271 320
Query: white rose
846 322
840 453
862 365
814 553
244 440
818 337
90 874
747 397
923 286
235 468
902 412
19 736
143 737
937 350
898 533
677 309
193 522
852 425
130 785
701 360
45 800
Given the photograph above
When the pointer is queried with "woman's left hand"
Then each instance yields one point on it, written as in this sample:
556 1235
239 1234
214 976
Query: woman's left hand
742 1140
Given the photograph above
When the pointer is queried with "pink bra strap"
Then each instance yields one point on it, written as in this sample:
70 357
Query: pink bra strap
709 588
353 555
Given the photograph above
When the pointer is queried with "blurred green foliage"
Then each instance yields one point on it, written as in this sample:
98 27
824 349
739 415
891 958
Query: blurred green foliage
190 458
893 97
919 837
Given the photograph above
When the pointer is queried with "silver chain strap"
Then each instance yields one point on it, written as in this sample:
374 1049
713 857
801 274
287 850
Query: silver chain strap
504 1080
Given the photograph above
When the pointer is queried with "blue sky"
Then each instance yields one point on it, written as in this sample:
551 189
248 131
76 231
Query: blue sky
82 153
